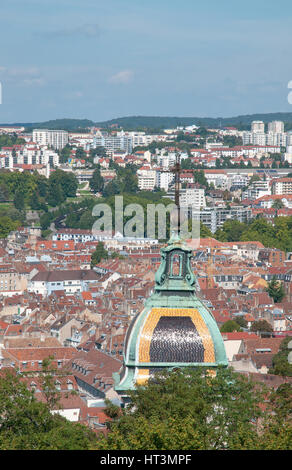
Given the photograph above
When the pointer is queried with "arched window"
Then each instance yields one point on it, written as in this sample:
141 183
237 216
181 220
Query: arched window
176 265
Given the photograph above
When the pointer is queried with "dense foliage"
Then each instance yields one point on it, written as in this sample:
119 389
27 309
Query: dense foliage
178 410
10 140
281 366
276 290
229 326
274 235
27 424
192 410
34 190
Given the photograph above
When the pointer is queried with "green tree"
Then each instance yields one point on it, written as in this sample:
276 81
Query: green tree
65 153
281 401
276 290
4 193
189 410
62 184
97 182
233 230
199 177
205 232
18 200
98 151
99 254
229 326
27 424
240 320
278 204
55 194
281 366
80 153
261 326
7 225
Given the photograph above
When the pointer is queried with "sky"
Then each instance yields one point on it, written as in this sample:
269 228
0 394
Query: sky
99 60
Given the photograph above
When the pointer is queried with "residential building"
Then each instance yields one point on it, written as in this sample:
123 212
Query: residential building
258 127
146 178
46 282
57 139
281 186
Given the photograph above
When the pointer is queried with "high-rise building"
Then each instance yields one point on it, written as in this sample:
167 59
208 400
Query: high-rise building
55 138
112 143
276 127
258 126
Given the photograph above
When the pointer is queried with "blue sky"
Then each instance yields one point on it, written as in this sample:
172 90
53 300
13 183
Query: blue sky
104 59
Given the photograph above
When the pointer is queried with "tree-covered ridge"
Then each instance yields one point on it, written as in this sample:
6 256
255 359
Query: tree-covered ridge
58 124
161 122
168 122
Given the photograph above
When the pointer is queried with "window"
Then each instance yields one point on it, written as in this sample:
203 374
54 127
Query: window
58 385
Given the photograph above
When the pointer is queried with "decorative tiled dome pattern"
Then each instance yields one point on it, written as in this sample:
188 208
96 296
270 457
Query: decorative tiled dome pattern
175 335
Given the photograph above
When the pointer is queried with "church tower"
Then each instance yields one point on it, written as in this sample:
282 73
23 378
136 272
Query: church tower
175 329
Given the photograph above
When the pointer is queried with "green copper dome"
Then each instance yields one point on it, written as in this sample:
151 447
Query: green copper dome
175 329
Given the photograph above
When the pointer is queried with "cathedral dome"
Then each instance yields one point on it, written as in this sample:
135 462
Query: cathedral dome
175 329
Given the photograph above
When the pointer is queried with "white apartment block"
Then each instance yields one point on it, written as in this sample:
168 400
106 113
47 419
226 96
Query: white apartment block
238 181
257 135
194 197
276 127
258 126
142 139
281 186
164 179
146 179
121 141
219 178
257 189
57 139
289 139
168 159
262 139
29 155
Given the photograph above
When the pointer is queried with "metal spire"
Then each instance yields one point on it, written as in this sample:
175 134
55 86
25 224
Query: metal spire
177 170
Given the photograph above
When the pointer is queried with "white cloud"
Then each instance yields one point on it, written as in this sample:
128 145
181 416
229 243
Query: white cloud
27 76
87 30
124 76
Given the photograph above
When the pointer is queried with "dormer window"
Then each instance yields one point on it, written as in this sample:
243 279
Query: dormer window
58 385
70 385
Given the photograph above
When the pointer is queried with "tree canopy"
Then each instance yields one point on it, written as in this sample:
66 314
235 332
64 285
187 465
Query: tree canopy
194 410
28 424
276 290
